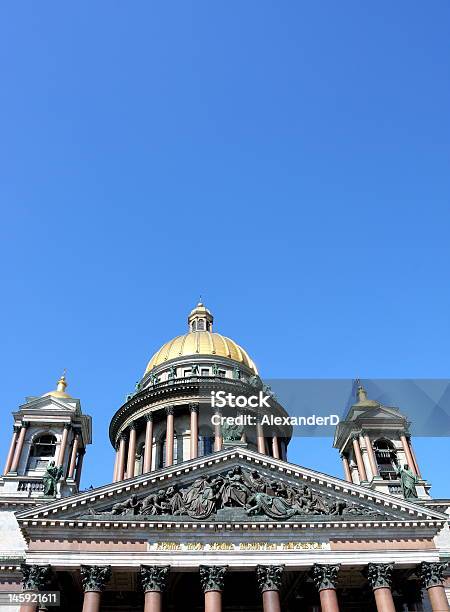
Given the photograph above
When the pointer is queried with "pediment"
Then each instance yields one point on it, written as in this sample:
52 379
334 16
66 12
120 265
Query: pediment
232 486
50 403
377 413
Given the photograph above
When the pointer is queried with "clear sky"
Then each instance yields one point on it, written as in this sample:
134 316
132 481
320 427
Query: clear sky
289 161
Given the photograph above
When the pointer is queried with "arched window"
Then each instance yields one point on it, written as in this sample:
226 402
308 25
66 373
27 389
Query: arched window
201 325
386 457
42 451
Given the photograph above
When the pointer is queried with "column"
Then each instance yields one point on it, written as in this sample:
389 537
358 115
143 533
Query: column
19 447
131 463
409 458
260 436
73 456
34 578
269 583
121 461
148 444
194 430
218 440
154 582
379 576
11 449
212 579
116 463
325 579
371 455
62 448
169 436
413 455
358 458
275 448
432 578
94 578
345 463
81 454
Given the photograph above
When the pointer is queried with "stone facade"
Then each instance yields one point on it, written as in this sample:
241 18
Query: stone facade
208 518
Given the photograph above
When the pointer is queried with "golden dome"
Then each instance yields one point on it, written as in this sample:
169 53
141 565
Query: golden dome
203 342
60 390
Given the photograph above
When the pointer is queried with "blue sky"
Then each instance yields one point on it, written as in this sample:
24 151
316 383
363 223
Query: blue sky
288 161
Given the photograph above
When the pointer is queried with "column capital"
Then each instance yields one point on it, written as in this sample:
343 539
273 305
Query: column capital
132 425
325 576
194 407
269 577
149 416
68 426
212 577
25 424
154 577
94 577
34 577
431 574
379 575
16 429
123 436
170 410
356 435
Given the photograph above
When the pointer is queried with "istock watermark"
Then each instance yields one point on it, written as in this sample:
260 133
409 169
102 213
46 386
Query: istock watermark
220 399
279 421
315 407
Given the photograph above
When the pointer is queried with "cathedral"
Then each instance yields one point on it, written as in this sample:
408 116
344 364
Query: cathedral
202 514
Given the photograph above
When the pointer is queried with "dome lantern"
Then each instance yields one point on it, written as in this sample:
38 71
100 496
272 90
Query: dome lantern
200 319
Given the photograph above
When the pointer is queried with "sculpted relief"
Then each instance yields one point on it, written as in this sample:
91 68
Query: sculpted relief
247 492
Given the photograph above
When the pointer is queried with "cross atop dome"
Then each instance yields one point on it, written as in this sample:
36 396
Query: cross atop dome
200 318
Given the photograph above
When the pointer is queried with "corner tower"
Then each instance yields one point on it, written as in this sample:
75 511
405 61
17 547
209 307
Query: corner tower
45 457
376 451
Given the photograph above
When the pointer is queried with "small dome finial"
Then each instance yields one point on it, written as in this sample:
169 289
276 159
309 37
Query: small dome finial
62 382
361 393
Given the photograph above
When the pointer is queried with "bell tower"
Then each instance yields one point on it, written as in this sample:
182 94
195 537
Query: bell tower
376 450
48 442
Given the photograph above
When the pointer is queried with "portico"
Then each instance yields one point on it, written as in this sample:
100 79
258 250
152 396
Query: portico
153 541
